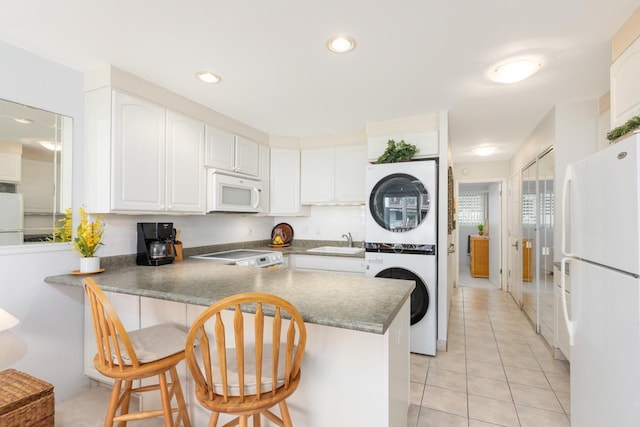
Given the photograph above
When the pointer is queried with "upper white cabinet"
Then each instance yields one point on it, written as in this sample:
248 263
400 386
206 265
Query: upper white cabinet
285 182
10 167
264 175
141 157
625 85
230 152
333 175
186 178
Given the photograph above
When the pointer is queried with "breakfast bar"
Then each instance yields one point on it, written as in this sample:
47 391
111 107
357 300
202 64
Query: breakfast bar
356 366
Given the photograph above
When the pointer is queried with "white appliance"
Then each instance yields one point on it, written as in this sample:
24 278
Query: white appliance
228 193
411 262
401 204
245 257
11 219
601 240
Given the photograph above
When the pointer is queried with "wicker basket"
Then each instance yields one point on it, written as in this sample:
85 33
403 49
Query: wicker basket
25 401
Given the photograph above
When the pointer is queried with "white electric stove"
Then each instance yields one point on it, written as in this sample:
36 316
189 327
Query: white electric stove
245 257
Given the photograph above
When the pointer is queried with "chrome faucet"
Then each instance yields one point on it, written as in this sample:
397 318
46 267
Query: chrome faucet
349 239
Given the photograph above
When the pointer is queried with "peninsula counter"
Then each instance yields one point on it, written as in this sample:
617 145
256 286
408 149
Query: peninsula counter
356 366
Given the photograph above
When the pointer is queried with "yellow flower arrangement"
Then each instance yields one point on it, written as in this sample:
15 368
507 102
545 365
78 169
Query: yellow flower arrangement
62 232
88 235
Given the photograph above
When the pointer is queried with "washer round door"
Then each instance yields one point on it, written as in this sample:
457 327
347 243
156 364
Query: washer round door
419 296
399 202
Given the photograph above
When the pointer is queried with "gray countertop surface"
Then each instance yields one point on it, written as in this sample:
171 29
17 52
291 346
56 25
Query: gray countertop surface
355 302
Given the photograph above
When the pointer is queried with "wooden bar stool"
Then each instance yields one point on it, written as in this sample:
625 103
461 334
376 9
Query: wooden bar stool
247 368
129 356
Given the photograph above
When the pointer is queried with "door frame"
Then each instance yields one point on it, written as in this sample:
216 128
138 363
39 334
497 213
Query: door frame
502 229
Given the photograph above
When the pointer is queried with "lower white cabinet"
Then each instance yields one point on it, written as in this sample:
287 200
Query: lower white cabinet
327 264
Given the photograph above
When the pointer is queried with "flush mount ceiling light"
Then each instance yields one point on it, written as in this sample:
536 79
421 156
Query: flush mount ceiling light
23 120
208 77
341 44
515 71
484 151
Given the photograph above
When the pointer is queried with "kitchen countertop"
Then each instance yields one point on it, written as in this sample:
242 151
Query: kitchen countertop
355 302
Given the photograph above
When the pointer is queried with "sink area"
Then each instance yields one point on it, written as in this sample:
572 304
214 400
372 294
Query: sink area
336 250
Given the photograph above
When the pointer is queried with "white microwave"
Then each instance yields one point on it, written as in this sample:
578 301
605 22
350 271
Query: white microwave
227 193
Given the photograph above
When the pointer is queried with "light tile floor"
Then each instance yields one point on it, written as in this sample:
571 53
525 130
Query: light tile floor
497 370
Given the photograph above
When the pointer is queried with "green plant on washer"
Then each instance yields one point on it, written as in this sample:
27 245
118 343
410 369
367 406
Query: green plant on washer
397 152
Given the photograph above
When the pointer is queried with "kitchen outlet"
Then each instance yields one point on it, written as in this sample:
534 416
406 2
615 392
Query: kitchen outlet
317 231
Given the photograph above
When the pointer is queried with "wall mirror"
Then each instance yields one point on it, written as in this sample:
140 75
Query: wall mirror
35 173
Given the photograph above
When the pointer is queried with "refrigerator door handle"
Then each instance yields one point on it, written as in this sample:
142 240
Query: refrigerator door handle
568 176
563 288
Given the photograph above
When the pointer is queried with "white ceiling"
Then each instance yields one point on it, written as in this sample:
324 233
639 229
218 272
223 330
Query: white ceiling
412 57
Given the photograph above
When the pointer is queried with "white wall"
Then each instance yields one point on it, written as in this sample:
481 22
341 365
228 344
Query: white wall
495 233
48 341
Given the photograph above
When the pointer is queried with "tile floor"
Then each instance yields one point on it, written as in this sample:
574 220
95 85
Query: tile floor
497 370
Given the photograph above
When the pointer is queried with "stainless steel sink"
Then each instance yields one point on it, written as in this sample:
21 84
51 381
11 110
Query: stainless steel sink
336 250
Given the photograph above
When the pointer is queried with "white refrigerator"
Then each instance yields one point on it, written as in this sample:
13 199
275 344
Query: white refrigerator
601 243
11 219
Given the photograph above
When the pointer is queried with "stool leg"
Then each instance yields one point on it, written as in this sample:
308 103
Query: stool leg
213 419
284 411
166 403
125 401
113 404
183 413
244 422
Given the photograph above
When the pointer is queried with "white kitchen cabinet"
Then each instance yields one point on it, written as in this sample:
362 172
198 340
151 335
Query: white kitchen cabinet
10 167
128 309
186 178
37 186
264 176
333 175
625 85
233 153
285 182
327 264
141 157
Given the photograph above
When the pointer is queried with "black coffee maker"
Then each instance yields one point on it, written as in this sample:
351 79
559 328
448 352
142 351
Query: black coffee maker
156 243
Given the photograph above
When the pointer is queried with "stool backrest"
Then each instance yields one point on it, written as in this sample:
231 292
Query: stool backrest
112 341
234 360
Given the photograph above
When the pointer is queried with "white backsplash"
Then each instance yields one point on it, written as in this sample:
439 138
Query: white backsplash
328 223
324 223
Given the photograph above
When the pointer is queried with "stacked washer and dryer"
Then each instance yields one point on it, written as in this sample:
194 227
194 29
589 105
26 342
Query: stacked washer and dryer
401 238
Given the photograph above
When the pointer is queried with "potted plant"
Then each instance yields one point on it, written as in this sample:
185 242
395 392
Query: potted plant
481 229
632 124
397 152
87 242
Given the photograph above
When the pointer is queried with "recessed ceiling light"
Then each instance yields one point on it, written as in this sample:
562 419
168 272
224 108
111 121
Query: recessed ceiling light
23 120
53 146
208 77
514 71
341 44
484 151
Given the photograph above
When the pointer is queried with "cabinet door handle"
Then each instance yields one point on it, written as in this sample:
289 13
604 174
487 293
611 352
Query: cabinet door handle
515 245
